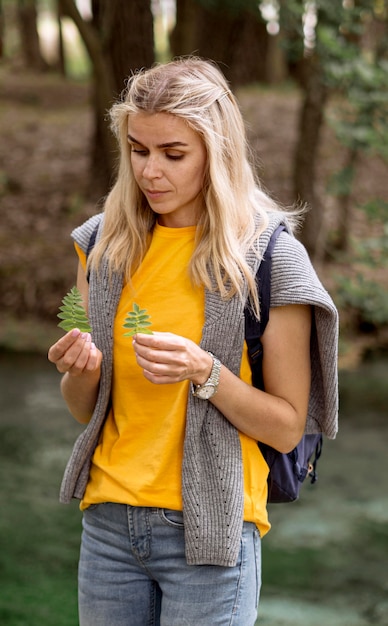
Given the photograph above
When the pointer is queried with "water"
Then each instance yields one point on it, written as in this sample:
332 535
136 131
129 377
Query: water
29 390
31 407
325 557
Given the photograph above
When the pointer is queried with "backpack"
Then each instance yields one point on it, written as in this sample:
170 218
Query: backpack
286 471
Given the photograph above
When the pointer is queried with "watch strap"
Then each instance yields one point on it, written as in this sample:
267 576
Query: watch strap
213 379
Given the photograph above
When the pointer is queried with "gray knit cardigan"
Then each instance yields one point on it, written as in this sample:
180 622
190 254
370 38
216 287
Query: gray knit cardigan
212 473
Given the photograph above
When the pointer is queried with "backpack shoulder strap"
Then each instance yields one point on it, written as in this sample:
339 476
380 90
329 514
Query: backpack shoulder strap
263 279
254 328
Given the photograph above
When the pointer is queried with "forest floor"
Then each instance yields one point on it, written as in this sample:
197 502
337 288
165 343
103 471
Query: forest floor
46 125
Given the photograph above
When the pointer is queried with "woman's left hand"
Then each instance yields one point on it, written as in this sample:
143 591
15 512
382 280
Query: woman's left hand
167 358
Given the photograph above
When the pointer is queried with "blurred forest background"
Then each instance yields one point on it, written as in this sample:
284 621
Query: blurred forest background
312 80
311 77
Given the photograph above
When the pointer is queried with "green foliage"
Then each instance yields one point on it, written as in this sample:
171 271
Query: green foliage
340 183
337 46
361 122
373 251
346 65
137 321
365 297
73 314
361 294
377 209
291 25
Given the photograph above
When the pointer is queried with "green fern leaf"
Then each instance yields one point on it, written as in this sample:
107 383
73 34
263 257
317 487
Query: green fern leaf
72 312
137 321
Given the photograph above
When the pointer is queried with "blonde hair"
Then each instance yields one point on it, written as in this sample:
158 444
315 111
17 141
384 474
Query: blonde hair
236 208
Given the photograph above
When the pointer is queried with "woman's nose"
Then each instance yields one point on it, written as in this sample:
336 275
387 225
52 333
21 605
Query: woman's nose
152 168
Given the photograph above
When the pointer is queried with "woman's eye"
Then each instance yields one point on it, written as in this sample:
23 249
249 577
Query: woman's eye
138 151
174 157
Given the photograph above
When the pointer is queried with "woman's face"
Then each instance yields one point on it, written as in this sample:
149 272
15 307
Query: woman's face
168 161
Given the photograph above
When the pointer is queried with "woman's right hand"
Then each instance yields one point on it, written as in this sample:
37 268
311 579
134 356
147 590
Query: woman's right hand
76 356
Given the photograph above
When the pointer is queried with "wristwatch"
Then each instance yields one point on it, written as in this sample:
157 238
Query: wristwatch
209 388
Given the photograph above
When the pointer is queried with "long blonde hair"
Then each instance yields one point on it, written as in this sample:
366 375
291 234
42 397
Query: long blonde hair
236 208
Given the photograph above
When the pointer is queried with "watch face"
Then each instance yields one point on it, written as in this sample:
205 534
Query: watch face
206 392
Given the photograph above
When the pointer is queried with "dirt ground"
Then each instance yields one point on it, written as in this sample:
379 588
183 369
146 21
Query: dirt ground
45 129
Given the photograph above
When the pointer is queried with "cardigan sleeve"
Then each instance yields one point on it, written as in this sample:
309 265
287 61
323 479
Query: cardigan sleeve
82 234
294 281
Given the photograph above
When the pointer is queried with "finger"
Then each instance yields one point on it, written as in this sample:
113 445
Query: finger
153 367
162 360
76 356
159 341
76 359
160 380
59 348
94 360
160 347
163 373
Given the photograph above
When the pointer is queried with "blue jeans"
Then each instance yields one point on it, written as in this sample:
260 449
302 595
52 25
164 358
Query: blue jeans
133 572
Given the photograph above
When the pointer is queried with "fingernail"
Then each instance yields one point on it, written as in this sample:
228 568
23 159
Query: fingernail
75 332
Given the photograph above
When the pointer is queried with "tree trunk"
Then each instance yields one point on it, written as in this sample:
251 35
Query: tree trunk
126 32
102 169
126 35
119 40
344 202
29 36
235 39
276 66
183 36
61 48
310 124
1 30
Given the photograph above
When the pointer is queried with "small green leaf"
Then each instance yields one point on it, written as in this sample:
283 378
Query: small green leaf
137 321
72 312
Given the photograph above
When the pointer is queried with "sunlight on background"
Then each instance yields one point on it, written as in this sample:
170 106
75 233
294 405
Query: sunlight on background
270 13
77 58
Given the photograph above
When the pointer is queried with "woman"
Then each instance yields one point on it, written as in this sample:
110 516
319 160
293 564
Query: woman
171 480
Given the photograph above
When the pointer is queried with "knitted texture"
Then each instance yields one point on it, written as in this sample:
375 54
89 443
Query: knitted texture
212 472
295 280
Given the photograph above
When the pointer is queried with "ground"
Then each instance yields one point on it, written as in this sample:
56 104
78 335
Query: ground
46 125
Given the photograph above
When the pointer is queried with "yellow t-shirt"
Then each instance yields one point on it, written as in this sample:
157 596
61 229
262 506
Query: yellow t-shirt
139 456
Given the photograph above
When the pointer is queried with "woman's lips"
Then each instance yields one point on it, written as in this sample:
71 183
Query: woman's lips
155 194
